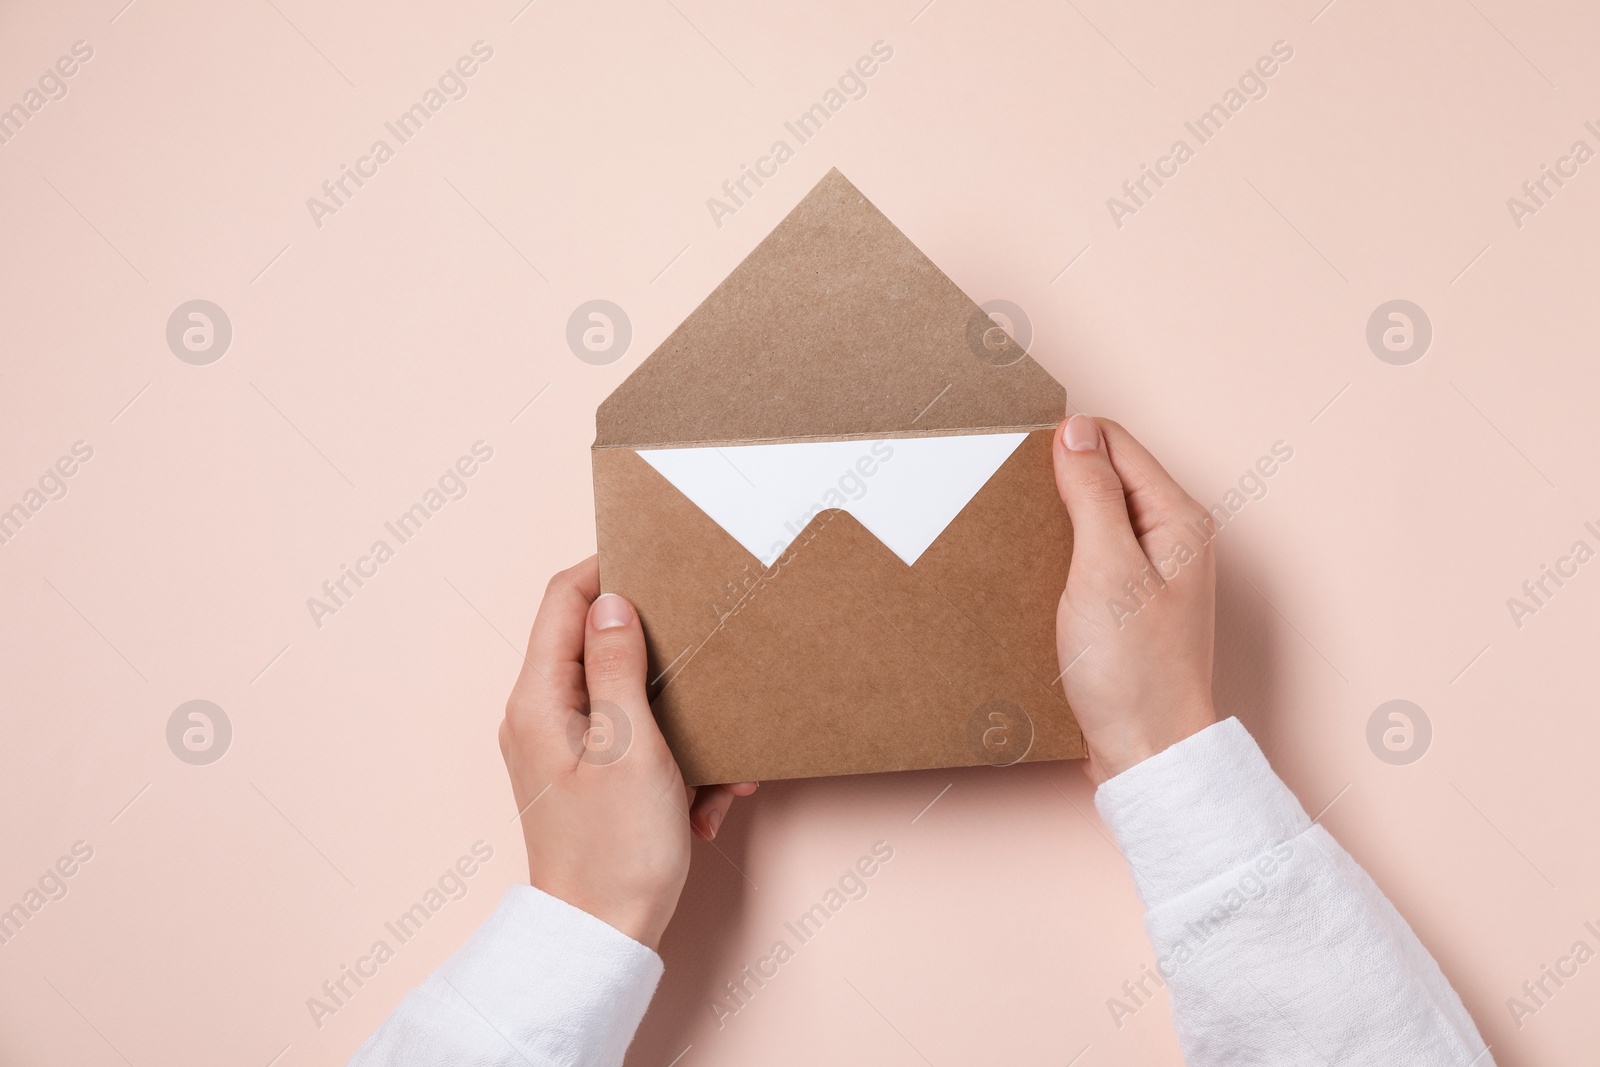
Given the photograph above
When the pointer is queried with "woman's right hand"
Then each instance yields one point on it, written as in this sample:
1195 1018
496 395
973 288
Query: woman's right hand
1134 629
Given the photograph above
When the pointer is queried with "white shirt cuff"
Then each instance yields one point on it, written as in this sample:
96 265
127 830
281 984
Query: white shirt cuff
1207 804
554 983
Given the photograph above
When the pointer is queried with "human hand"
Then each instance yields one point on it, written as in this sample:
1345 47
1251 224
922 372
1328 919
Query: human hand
1134 629
605 813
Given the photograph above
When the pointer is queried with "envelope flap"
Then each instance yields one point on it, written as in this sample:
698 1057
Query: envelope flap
835 326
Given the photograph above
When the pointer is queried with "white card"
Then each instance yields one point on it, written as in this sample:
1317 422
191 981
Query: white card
905 490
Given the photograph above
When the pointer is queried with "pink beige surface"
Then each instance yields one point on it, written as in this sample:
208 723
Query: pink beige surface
374 345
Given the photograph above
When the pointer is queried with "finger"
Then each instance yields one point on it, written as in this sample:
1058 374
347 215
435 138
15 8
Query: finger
711 804
558 629
1091 489
546 703
1154 497
614 664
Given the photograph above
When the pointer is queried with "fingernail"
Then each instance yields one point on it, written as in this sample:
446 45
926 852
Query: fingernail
1082 434
610 611
714 820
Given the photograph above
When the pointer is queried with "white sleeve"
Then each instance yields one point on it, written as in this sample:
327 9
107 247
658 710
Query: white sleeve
1275 946
540 983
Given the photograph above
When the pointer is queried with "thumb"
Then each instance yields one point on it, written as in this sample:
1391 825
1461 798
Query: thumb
614 665
1090 488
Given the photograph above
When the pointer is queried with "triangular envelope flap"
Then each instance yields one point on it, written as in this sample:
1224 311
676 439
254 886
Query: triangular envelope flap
835 326
843 660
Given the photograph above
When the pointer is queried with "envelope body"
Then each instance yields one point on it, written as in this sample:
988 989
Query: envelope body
836 655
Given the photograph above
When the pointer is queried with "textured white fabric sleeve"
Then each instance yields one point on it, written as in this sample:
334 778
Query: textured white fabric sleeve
1275 946
540 983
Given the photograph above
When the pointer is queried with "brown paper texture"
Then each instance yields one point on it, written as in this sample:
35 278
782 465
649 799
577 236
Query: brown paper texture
840 658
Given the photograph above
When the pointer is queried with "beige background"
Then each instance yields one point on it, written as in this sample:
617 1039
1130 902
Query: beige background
1226 315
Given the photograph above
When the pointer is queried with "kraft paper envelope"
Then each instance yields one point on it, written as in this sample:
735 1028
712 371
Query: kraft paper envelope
843 656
